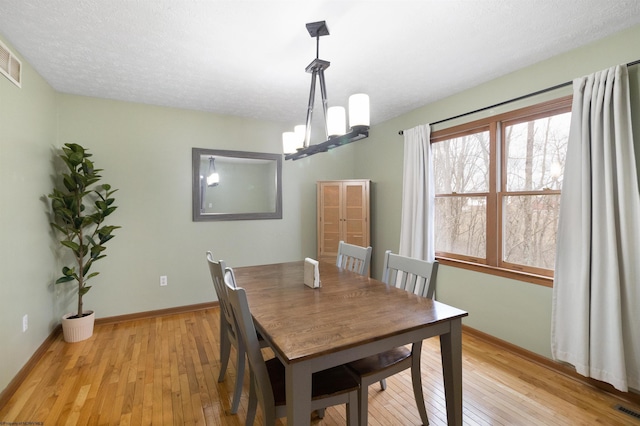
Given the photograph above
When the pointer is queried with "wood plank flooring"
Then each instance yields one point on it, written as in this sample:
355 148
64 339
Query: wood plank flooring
164 370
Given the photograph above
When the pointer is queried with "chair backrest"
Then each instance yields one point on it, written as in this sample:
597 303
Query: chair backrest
217 270
413 275
354 258
247 332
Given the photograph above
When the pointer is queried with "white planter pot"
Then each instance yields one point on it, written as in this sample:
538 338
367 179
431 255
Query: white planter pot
78 329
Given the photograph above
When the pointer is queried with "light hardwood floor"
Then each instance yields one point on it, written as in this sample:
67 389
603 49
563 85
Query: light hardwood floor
164 371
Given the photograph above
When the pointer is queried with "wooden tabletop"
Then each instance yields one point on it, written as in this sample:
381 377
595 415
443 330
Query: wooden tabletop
347 311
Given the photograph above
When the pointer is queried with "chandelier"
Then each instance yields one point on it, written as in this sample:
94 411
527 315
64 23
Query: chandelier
296 144
213 178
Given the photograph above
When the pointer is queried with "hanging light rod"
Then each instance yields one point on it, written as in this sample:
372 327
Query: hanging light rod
297 143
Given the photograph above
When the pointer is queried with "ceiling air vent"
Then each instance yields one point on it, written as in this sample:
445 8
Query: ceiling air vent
10 65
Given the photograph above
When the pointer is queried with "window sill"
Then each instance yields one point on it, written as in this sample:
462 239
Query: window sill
493 270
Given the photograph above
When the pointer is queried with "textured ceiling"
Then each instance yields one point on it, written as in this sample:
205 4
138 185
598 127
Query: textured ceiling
247 58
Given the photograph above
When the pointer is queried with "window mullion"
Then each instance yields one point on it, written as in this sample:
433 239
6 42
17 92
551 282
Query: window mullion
492 198
502 189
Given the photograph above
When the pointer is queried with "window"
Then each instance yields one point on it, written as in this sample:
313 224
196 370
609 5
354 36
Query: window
498 183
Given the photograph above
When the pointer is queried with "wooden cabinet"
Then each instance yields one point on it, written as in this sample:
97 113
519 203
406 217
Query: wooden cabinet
343 215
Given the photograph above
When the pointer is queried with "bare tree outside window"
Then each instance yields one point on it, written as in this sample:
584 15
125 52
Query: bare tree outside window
535 155
461 173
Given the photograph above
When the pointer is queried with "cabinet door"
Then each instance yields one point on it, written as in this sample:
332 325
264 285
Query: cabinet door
329 217
343 215
355 224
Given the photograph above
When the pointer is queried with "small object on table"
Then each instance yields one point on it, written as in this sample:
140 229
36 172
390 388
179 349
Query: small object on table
311 273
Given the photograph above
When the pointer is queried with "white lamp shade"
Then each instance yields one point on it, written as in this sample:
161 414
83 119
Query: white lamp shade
358 110
299 131
213 179
336 121
289 142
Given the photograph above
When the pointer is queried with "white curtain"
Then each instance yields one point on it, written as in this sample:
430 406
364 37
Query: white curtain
596 293
418 196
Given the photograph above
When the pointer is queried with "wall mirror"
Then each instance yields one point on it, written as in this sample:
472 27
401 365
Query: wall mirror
236 185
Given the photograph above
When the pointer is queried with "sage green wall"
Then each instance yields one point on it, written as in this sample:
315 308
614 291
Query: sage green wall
27 137
145 152
511 310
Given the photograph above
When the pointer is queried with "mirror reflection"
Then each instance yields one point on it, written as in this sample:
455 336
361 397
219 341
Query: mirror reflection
235 185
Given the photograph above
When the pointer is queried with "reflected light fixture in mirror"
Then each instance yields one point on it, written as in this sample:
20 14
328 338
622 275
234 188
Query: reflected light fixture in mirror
296 144
213 179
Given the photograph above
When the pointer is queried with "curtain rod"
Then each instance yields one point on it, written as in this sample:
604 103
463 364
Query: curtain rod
539 92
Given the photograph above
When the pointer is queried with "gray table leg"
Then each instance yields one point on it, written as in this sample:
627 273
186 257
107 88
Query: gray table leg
451 350
298 383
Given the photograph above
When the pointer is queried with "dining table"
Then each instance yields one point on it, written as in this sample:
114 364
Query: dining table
350 316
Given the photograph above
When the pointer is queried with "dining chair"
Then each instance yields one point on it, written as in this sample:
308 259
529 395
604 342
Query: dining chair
329 387
418 277
354 258
410 274
228 337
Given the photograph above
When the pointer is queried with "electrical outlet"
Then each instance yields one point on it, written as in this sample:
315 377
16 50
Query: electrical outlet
25 323
163 280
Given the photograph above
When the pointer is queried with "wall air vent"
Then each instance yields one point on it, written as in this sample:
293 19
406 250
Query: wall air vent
10 65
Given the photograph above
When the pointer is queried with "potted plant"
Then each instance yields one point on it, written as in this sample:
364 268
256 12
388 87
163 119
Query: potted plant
80 205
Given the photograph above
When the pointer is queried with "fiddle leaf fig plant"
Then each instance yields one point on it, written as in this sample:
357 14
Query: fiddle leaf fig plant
80 206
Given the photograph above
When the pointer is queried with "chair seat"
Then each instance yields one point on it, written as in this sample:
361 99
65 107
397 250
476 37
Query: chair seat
381 361
333 381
